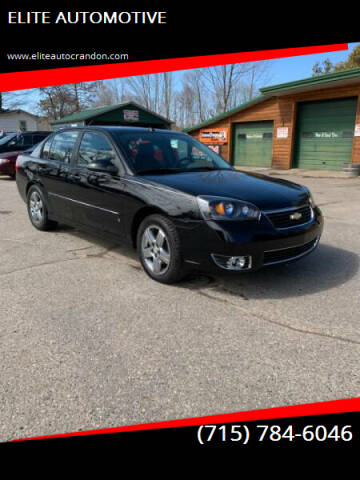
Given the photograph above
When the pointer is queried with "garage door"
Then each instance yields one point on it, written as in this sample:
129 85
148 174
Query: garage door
325 132
253 144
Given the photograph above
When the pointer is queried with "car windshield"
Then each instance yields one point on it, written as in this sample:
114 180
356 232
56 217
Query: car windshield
153 152
7 138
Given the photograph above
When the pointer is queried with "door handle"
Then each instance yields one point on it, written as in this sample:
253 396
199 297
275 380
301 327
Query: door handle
75 176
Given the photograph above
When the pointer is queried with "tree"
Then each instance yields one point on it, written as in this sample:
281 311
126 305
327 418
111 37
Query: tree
221 83
62 100
230 85
167 87
321 68
13 100
353 61
56 102
155 92
110 92
83 93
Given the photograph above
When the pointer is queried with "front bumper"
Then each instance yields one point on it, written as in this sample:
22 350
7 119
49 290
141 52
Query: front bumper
260 240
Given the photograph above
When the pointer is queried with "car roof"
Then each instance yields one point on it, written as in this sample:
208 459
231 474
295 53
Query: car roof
41 132
120 128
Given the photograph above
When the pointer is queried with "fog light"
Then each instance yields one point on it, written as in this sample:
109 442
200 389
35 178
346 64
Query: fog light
232 263
236 262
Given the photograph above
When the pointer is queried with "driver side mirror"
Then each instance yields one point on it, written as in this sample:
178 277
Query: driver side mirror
103 166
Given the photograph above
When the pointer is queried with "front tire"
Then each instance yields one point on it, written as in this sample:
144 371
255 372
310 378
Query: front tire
37 209
159 249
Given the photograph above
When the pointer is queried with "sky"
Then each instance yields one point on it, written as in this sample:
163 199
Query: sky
280 71
294 68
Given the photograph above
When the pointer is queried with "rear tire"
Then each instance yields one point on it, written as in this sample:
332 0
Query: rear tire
159 249
37 209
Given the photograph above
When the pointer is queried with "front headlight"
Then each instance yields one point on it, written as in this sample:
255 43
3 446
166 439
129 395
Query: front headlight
311 199
220 208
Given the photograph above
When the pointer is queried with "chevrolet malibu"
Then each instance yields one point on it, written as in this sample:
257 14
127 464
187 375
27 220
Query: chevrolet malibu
177 202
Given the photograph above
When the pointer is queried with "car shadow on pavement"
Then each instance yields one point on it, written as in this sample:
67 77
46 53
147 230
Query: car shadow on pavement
97 241
326 268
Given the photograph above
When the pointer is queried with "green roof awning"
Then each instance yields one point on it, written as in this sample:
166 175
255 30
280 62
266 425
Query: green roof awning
91 113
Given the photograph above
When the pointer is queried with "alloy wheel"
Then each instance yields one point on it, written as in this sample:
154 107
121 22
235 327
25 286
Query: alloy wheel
36 207
155 250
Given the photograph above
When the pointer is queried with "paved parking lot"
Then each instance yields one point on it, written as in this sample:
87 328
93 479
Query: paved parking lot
87 340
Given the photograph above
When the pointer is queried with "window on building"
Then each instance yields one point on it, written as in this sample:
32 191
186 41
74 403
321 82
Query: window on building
23 125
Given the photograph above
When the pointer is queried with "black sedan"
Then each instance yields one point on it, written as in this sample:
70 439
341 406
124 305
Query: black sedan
177 202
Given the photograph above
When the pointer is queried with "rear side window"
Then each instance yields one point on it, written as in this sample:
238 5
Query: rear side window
95 147
62 146
46 148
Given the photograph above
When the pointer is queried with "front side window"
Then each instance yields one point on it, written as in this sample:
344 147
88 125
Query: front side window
164 151
94 147
62 146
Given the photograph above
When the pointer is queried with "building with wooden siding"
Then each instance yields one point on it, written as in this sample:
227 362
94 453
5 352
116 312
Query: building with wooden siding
312 123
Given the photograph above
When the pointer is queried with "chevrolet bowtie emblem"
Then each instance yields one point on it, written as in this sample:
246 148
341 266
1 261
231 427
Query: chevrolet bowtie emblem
295 216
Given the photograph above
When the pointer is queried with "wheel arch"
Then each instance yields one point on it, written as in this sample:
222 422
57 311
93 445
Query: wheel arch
139 217
38 184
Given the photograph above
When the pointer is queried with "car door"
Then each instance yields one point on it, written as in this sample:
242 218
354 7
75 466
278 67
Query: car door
97 196
53 169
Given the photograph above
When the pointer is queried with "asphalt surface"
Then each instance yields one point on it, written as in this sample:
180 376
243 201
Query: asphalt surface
88 341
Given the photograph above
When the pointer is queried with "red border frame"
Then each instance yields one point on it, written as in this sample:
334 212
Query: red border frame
309 409
61 76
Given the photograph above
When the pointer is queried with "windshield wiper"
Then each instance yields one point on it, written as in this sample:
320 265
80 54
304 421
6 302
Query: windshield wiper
179 170
160 170
205 169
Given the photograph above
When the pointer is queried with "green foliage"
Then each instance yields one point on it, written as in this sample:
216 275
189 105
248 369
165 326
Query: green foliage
353 61
322 68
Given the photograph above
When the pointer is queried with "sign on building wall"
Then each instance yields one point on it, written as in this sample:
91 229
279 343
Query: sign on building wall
357 130
214 135
131 115
282 132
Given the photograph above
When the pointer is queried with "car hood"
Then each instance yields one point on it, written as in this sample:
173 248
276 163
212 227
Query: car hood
263 191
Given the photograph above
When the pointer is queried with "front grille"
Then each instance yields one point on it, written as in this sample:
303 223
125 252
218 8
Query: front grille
275 256
285 219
